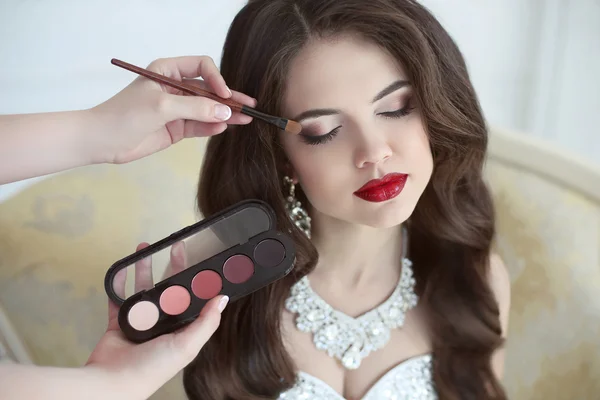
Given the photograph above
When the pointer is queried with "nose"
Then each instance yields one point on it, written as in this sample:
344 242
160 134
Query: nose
373 149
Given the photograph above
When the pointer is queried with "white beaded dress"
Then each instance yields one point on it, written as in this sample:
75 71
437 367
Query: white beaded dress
352 339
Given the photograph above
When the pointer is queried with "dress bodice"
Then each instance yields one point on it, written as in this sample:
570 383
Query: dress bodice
409 380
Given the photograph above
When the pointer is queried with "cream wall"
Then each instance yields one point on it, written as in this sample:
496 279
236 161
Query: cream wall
533 62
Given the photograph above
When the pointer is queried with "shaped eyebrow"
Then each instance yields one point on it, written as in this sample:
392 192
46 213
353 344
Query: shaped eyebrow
323 112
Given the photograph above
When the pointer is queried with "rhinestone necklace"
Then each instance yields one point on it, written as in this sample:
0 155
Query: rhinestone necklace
350 339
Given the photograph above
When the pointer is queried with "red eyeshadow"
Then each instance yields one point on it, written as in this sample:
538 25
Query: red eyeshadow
238 268
207 284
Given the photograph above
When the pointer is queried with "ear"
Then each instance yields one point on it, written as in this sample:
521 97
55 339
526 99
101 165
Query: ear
291 172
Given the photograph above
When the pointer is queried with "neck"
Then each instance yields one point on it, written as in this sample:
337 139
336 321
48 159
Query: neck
355 255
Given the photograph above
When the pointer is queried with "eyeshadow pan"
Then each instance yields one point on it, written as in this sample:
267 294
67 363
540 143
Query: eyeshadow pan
143 315
175 299
269 253
234 252
238 268
207 284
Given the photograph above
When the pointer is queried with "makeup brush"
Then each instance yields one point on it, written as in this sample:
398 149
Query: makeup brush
282 123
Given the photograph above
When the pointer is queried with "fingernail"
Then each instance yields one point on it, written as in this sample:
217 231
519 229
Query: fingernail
229 90
222 112
223 302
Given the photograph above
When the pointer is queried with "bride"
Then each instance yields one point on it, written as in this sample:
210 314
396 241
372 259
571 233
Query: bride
395 294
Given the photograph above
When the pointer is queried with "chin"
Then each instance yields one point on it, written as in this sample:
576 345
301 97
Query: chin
385 215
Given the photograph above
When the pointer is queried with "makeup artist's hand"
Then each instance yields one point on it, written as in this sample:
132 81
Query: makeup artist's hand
146 117
143 118
141 369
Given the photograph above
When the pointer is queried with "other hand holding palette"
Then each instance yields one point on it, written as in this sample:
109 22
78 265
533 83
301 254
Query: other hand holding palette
234 253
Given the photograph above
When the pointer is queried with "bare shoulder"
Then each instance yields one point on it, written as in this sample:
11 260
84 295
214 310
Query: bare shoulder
499 281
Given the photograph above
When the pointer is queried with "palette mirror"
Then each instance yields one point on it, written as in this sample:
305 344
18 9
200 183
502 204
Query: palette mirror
195 244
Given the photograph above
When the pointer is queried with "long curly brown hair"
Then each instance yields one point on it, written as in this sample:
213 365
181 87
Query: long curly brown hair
451 228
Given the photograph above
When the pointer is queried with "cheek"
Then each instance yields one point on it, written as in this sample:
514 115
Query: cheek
421 158
411 144
421 150
316 168
310 167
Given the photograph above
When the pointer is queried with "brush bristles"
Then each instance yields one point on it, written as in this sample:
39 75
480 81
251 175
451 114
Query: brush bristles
293 127
282 123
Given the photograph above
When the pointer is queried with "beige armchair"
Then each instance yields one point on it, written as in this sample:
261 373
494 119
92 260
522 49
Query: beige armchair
58 237
548 210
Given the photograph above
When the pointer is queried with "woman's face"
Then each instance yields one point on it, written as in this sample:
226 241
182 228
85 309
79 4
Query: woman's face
359 124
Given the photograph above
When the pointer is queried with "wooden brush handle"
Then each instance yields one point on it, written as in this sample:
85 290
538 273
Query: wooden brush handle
188 86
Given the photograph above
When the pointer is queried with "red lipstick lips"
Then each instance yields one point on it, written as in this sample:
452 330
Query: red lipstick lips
386 188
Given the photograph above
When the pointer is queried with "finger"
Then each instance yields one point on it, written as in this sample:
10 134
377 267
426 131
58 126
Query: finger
113 316
195 108
159 359
237 118
119 282
189 341
113 309
178 257
244 99
201 129
143 271
192 67
190 128
236 96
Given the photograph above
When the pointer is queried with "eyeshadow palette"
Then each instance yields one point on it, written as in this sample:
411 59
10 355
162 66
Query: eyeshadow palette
234 252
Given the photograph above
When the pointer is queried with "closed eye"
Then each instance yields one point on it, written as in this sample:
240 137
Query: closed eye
314 140
404 111
321 139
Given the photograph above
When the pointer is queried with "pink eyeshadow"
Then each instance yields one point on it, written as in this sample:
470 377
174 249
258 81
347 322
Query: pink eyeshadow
174 300
143 316
238 268
207 284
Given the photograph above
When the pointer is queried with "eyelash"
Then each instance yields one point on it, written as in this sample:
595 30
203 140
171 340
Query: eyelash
316 140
